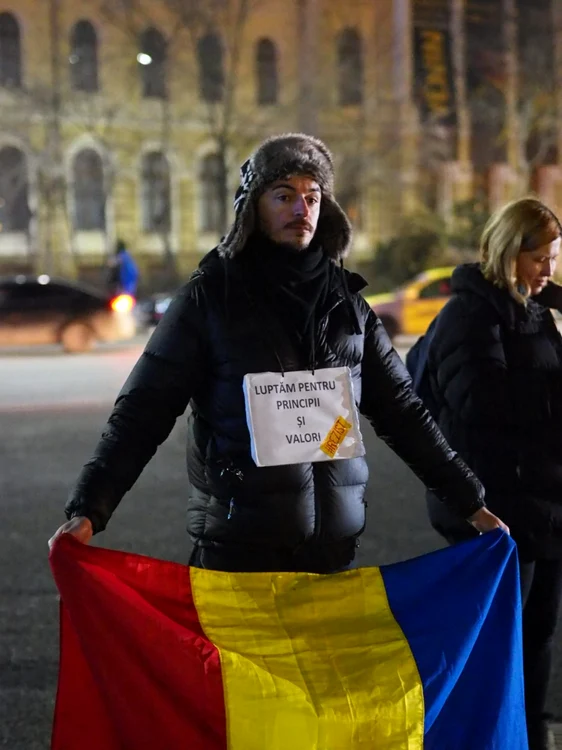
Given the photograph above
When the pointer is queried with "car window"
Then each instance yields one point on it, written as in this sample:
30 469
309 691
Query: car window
31 295
438 288
76 297
22 292
60 291
6 294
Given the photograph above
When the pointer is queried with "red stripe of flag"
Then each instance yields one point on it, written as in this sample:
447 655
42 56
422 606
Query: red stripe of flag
141 674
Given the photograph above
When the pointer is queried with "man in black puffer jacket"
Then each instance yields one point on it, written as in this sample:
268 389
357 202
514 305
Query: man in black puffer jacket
273 297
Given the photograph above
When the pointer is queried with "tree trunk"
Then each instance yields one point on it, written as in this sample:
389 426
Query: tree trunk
170 260
458 38
514 146
557 21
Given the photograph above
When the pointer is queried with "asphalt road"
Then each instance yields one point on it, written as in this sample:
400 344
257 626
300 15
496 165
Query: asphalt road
52 409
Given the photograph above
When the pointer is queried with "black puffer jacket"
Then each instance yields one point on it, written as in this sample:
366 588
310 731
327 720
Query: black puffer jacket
496 374
211 336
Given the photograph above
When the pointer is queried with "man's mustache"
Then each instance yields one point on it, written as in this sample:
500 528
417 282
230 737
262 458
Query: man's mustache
299 225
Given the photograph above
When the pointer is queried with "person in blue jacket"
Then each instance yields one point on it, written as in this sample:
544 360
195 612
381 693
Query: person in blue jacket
124 272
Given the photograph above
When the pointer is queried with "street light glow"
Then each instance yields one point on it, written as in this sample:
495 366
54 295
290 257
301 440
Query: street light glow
143 58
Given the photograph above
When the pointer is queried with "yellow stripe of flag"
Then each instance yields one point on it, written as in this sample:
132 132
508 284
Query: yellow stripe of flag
311 662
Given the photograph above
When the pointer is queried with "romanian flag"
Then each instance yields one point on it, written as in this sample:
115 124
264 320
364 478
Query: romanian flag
421 654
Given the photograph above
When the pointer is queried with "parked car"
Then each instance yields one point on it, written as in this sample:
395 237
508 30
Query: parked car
41 310
411 308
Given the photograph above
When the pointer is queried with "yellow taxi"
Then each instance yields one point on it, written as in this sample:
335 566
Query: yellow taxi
411 308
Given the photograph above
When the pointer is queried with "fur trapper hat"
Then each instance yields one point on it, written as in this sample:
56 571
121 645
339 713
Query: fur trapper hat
278 157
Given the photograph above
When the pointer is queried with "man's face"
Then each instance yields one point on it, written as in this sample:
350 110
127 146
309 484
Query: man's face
289 209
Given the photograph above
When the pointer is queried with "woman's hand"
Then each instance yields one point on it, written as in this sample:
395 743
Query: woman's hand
484 521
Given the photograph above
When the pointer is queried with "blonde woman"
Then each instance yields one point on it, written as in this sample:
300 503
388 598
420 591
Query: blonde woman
495 373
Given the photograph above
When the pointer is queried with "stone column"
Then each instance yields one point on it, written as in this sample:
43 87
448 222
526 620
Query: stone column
455 186
504 185
513 136
548 181
407 125
458 38
557 30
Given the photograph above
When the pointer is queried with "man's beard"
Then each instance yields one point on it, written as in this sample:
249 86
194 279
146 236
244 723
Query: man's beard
292 247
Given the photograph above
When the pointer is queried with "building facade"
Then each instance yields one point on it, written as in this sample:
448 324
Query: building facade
128 119
487 91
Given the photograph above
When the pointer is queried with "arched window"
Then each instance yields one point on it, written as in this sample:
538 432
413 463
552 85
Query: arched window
350 68
89 193
10 51
210 177
211 68
152 62
84 57
14 207
266 72
156 210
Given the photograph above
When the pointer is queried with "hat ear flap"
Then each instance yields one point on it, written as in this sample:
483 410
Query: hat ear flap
334 232
242 228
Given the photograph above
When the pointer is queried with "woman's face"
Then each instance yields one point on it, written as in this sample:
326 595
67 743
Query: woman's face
536 267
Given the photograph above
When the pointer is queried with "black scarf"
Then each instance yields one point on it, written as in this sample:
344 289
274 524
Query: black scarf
292 284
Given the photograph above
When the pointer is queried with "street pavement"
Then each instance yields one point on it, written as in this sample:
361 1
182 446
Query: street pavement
52 409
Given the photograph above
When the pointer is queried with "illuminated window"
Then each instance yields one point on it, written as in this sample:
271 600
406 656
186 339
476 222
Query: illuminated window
350 68
156 192
152 60
14 208
266 72
84 57
211 68
211 188
10 52
89 193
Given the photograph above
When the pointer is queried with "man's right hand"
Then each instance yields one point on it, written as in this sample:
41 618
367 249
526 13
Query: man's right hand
79 527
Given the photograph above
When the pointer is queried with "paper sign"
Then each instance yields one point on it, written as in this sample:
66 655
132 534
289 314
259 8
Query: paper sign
302 417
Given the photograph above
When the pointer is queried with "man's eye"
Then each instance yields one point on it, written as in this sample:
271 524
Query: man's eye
283 198
313 200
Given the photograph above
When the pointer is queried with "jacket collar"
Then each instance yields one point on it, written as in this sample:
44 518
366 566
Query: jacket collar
469 278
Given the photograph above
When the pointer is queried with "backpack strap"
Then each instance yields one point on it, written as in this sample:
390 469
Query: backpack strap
416 364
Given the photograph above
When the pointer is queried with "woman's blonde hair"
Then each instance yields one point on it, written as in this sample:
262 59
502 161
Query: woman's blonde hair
522 225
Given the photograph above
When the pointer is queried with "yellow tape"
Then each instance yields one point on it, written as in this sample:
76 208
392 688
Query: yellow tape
335 437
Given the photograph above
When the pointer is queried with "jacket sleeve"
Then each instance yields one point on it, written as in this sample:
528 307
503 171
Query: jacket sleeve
155 394
401 420
471 373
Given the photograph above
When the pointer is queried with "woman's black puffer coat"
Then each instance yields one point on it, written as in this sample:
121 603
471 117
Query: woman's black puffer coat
496 375
211 336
